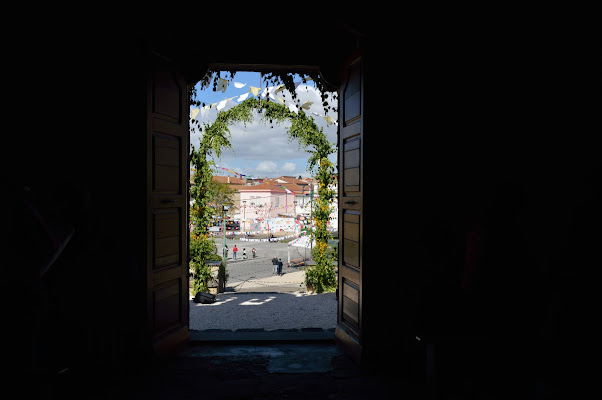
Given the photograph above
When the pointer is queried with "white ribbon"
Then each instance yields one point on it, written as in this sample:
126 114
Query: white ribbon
293 108
222 104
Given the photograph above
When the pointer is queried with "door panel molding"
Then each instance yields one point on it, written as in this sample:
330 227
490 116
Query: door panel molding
349 330
167 207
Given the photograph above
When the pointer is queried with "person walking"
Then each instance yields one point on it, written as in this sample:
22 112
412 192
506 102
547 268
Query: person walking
234 251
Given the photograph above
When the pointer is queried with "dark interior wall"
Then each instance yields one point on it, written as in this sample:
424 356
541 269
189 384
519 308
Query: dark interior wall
81 168
476 113
465 117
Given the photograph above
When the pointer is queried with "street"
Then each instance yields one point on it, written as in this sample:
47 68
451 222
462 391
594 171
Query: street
256 298
257 274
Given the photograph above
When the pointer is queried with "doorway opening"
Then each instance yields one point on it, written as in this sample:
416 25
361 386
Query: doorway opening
259 207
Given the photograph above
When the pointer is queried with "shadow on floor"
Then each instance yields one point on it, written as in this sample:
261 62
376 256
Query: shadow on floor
265 371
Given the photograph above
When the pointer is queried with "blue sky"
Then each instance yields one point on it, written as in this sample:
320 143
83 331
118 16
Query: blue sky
258 149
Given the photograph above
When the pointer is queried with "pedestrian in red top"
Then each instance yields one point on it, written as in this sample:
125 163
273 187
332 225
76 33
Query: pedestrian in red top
235 250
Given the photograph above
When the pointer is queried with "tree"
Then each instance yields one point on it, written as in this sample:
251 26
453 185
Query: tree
220 195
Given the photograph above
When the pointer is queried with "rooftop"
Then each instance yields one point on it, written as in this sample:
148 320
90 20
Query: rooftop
262 187
229 179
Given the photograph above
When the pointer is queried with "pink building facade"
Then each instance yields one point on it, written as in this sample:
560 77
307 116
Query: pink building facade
265 201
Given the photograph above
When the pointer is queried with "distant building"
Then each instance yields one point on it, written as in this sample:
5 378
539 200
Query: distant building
266 200
230 180
285 196
302 191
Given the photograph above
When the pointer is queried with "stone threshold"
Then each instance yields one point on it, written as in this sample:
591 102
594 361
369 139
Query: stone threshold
262 335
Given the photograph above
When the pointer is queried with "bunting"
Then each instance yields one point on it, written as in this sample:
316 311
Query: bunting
307 104
222 84
259 208
287 190
240 175
233 172
269 92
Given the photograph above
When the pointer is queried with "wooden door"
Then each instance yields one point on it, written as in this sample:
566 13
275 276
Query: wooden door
351 104
167 207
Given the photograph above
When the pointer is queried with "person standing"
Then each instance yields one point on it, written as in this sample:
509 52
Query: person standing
234 251
253 251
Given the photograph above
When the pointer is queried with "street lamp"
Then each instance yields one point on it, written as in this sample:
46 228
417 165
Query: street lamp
224 210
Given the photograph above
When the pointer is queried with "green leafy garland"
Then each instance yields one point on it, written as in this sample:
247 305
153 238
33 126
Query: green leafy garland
273 79
201 246
216 137
322 277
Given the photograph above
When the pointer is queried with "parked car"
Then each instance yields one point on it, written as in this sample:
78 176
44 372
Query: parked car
232 225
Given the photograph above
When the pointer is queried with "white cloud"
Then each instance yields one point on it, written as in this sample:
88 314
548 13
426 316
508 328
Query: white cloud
260 147
267 167
288 167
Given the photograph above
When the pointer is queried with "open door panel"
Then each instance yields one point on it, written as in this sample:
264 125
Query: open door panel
349 320
167 207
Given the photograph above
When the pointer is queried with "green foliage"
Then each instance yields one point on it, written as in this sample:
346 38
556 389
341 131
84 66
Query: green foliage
216 137
322 276
200 248
203 190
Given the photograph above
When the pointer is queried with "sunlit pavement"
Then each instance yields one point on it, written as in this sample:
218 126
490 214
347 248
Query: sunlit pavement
257 274
267 311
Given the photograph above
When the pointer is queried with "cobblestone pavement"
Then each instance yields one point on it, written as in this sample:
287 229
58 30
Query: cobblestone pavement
268 311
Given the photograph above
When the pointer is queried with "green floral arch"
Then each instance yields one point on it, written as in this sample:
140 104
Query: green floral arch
216 137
